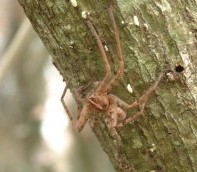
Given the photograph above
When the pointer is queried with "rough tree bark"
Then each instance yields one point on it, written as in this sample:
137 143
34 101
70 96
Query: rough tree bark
155 36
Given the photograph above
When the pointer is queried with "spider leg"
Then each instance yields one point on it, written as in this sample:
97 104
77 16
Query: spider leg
104 57
120 71
114 134
121 103
94 119
83 117
83 113
146 95
133 117
116 137
140 103
64 104
79 99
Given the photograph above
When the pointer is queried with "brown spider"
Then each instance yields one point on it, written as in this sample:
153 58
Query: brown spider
100 98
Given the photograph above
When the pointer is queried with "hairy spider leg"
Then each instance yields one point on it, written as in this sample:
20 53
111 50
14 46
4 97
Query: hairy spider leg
102 84
141 102
116 137
114 134
83 116
94 118
120 71
64 104
79 99
83 113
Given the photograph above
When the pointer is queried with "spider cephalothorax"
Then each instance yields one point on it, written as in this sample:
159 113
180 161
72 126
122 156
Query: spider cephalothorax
99 101
100 98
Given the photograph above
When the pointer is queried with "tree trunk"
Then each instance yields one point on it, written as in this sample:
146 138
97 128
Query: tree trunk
156 36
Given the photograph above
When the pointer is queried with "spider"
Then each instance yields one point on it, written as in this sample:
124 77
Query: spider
100 99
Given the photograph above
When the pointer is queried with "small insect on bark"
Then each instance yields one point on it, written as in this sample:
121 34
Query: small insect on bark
100 99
